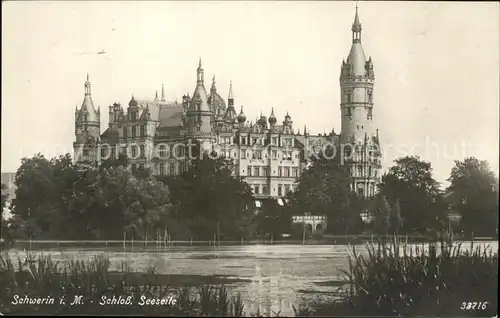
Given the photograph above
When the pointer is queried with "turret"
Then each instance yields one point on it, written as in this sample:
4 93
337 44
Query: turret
241 117
272 118
199 114
87 129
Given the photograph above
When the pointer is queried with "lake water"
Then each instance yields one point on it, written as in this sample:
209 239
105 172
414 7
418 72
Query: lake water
269 277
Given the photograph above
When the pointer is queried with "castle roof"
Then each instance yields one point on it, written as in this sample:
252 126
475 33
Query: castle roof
357 59
88 106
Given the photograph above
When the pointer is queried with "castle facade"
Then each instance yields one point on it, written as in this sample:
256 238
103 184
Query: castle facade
269 155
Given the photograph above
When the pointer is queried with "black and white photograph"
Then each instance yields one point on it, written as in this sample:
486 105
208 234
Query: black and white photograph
250 158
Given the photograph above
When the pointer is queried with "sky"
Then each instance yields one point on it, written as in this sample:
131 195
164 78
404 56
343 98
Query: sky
436 67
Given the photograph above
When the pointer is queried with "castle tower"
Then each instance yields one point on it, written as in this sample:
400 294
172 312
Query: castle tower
87 130
199 115
358 132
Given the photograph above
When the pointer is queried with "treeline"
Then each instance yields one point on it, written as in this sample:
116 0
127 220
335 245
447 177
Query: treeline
54 200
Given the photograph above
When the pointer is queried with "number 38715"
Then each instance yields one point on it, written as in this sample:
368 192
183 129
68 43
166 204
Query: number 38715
474 305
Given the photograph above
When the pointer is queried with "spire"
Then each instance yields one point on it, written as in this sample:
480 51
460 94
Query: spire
200 73
305 130
356 28
87 86
162 93
230 90
213 84
156 95
230 98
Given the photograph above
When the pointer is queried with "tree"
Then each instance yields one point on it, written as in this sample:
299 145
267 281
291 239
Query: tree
274 219
208 199
113 201
324 189
381 211
5 196
42 186
476 187
410 183
395 220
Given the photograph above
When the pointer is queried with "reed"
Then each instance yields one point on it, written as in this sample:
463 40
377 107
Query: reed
41 277
390 278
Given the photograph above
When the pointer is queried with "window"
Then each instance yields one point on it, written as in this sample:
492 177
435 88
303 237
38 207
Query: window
134 151
86 153
256 189
280 190
349 97
287 172
280 171
249 169
275 154
256 171
143 152
295 172
243 140
257 154
162 169
133 131
134 115
349 112
125 132
360 171
243 154
287 155
172 168
361 192
179 151
265 189
370 171
265 171
141 167
143 130
274 140
287 188
163 151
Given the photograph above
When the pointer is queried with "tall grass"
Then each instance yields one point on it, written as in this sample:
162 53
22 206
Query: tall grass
42 277
393 279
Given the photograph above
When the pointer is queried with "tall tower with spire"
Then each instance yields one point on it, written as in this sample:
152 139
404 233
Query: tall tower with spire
358 133
87 130
199 116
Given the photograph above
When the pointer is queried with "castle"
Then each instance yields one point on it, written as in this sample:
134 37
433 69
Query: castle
269 156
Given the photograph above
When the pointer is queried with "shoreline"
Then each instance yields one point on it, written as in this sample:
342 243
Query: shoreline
330 240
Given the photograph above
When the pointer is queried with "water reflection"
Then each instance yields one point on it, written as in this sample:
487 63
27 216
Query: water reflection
276 277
